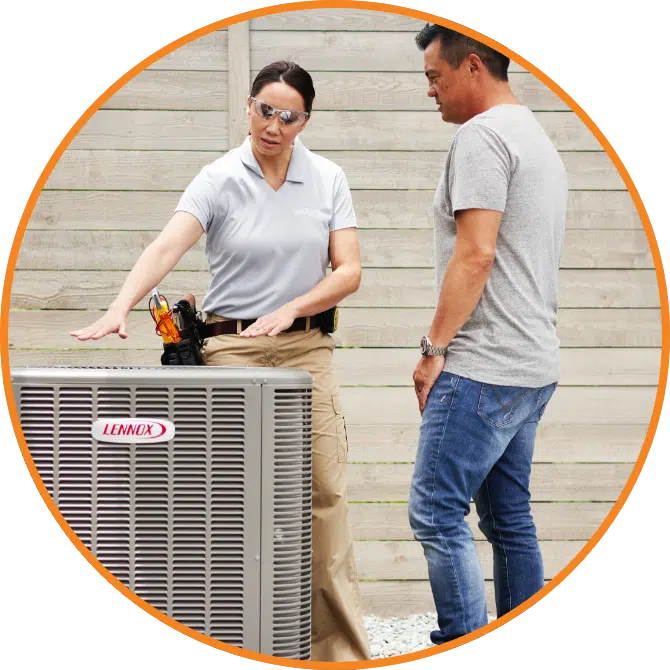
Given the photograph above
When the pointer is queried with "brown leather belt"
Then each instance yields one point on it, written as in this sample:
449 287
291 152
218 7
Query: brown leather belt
236 326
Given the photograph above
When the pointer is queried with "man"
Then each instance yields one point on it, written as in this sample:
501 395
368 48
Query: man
489 363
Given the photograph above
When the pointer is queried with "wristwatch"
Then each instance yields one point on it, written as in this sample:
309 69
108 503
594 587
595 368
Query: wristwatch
427 348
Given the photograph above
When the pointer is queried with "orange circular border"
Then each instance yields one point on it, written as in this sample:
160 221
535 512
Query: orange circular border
380 7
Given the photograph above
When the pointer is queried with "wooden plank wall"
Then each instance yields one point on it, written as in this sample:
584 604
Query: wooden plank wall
121 177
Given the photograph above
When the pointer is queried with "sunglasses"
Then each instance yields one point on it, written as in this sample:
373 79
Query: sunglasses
288 117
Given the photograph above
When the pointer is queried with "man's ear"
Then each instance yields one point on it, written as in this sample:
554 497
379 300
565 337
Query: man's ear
475 64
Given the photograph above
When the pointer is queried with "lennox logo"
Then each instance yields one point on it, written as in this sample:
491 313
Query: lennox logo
132 431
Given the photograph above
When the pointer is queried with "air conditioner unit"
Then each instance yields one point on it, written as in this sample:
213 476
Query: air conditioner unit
211 526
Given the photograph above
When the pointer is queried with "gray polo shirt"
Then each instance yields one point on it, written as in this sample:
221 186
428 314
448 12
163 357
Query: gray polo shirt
502 160
265 248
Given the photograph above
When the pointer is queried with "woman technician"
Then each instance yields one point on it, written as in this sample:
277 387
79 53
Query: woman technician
274 214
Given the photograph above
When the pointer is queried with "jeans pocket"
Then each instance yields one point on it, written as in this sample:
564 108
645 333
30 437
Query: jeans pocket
341 426
498 404
547 393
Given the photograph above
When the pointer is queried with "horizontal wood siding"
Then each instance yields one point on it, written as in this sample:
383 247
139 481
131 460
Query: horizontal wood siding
122 176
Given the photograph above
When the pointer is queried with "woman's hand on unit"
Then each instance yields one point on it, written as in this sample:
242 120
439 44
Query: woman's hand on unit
114 321
272 324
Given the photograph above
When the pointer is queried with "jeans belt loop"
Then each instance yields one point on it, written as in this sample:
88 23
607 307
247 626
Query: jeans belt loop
307 323
239 326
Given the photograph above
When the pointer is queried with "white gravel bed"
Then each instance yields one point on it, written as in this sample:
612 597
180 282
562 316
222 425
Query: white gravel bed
401 635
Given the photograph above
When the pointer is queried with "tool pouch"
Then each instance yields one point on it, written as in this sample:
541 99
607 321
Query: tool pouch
329 320
186 352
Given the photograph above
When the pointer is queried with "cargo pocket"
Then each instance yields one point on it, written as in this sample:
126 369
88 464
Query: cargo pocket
499 404
341 426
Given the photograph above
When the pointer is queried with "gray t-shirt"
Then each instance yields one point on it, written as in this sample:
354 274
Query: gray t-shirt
266 247
503 160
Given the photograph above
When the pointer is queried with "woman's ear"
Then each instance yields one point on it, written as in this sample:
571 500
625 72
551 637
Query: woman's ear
305 122
249 105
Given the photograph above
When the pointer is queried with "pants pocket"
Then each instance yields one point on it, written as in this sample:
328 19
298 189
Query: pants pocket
498 404
547 393
341 426
219 350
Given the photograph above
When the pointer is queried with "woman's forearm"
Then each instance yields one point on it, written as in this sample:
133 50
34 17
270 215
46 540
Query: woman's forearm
332 289
150 269
180 234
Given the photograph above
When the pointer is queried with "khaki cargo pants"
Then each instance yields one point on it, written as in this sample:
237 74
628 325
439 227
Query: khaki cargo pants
338 633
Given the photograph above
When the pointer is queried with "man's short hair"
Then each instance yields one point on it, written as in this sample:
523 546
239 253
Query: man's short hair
456 47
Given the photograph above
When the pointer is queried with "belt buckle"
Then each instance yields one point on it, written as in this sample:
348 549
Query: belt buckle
308 323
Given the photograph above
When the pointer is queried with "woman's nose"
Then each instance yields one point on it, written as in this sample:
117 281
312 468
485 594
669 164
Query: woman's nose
273 125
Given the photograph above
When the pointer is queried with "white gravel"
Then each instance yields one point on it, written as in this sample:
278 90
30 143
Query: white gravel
401 635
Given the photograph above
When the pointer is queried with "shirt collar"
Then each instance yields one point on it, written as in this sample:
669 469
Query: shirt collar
297 167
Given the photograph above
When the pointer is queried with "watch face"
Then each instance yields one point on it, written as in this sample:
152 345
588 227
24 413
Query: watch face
424 344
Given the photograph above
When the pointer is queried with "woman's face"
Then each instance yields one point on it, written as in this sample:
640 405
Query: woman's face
272 136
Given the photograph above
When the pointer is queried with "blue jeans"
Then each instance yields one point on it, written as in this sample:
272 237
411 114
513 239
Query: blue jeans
476 442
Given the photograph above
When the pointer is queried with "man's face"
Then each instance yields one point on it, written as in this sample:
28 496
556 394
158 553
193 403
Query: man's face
451 88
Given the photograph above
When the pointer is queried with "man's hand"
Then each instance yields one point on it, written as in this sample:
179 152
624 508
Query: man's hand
426 373
272 324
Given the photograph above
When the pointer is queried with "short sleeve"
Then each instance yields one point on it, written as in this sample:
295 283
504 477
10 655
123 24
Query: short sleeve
343 207
479 169
199 198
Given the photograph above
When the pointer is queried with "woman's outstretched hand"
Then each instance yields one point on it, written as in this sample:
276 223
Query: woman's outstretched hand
114 321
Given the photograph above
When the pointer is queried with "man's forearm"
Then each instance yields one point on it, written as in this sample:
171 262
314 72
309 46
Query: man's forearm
462 287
